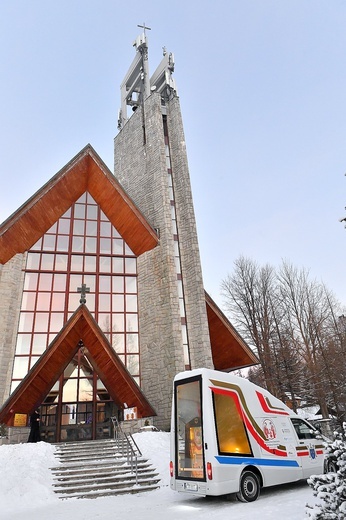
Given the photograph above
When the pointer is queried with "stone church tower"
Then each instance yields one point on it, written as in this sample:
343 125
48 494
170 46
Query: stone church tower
151 164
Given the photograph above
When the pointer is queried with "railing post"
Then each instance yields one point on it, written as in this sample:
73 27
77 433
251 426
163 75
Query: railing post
126 447
136 465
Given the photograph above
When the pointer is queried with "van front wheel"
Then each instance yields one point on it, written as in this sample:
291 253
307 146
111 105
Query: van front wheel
249 487
331 466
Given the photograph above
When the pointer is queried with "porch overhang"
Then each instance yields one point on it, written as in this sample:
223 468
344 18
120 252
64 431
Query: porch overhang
33 389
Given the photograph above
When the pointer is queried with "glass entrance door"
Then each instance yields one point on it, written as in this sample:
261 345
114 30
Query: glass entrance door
76 422
79 406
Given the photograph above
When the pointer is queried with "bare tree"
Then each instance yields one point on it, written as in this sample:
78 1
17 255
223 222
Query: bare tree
293 324
308 312
249 296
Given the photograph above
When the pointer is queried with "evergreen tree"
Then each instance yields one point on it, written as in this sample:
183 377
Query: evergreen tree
330 488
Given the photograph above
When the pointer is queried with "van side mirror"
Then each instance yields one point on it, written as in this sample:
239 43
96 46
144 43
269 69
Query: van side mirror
315 433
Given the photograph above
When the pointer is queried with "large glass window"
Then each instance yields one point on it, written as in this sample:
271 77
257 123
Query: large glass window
81 248
189 436
230 430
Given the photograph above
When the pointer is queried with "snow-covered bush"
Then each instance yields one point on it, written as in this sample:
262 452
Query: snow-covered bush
330 488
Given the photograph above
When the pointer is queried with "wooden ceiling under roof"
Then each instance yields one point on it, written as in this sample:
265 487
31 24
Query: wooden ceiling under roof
229 350
33 389
86 172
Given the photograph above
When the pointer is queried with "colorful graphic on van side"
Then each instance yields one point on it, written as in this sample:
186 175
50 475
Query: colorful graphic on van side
253 428
268 407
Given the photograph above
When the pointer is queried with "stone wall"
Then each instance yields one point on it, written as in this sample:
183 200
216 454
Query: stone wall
11 287
196 313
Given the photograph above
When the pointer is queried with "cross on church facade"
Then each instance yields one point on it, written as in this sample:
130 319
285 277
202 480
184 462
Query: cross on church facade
83 290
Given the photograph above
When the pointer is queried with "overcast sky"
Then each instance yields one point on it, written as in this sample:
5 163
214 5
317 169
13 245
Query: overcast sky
262 86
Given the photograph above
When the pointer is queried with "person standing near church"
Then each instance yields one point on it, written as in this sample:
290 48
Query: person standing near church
35 435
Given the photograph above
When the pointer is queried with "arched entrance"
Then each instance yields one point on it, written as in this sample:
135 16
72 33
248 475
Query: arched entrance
78 407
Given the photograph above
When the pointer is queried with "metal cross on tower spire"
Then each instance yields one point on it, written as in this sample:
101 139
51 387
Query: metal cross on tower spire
144 27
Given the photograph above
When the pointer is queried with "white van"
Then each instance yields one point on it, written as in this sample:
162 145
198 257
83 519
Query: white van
231 436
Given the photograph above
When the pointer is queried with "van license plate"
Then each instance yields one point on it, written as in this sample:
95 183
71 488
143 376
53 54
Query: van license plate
190 487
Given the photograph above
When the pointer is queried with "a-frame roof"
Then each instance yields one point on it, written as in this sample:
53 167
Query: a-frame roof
85 172
31 392
229 350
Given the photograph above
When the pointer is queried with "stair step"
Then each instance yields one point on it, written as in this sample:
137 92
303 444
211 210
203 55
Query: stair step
66 477
126 483
93 454
86 447
78 444
89 469
92 457
110 492
116 481
108 461
110 447
91 445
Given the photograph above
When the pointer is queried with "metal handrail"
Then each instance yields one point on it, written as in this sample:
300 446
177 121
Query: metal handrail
134 443
127 443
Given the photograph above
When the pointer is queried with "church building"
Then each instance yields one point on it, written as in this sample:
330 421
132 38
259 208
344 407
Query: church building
101 292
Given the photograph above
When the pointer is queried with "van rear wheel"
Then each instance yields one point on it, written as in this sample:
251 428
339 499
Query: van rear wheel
249 487
331 466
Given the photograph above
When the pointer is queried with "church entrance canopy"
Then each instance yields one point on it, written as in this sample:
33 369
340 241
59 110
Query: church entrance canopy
81 330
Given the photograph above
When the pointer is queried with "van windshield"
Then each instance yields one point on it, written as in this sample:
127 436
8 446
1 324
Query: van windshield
188 429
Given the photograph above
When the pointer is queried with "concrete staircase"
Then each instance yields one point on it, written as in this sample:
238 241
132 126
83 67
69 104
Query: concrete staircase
92 469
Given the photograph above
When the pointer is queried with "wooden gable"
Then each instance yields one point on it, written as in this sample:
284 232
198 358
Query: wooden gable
229 350
86 172
33 389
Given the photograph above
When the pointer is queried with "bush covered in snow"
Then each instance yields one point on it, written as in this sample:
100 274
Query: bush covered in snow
330 488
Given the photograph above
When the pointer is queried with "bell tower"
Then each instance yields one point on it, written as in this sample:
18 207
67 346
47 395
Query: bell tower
151 164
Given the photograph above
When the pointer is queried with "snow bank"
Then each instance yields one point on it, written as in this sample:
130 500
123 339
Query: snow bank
155 447
25 477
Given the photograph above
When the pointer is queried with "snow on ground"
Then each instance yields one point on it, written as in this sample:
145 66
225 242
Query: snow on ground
26 492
